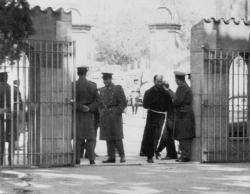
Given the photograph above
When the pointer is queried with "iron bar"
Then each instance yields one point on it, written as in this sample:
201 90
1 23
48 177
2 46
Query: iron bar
227 103
220 102
52 105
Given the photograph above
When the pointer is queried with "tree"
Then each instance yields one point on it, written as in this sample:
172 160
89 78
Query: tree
15 26
123 40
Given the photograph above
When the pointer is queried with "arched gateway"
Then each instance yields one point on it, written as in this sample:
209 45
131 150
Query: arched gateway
220 51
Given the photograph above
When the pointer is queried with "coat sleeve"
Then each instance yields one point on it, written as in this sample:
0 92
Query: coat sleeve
96 101
169 103
122 101
180 96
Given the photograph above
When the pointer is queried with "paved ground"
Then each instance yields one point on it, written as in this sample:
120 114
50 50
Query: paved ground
131 179
134 177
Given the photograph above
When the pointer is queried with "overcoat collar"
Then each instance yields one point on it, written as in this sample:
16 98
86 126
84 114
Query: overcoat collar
110 87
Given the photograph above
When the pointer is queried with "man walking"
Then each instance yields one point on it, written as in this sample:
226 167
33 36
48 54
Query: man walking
184 128
87 102
113 103
135 94
158 102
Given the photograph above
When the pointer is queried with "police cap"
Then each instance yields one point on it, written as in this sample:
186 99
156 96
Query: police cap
180 75
106 75
82 69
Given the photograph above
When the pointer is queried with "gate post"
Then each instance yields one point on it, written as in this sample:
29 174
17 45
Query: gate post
211 42
51 87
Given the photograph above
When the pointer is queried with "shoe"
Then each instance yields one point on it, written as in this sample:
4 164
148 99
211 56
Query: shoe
109 160
169 158
150 160
122 160
91 162
157 155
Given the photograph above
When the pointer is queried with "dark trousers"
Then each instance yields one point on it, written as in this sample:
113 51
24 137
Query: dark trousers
185 148
84 145
167 142
111 145
90 148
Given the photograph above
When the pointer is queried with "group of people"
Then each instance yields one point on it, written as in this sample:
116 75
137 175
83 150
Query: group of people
104 109
170 117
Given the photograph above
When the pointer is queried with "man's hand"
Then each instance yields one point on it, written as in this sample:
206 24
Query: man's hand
85 108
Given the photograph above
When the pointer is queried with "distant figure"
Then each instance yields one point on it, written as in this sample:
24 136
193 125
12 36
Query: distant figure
167 140
113 103
158 102
87 102
135 94
5 118
184 126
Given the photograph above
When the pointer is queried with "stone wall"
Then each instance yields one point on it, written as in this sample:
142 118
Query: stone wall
212 142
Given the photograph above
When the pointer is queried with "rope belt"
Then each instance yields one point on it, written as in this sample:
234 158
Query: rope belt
163 126
159 112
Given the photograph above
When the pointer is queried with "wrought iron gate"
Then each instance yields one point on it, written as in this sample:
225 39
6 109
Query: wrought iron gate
225 106
37 103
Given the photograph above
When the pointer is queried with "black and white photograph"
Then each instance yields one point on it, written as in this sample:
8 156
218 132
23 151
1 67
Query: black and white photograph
124 96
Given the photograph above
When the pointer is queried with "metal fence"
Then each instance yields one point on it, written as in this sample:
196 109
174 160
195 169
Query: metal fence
225 107
36 100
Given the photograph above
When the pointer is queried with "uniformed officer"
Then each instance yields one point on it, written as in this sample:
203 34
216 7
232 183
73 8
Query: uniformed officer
87 102
113 103
184 128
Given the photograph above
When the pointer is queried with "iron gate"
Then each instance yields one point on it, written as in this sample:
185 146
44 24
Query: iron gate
37 101
225 106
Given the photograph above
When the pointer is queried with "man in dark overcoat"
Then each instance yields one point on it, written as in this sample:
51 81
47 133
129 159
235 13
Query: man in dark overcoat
113 103
87 102
184 126
158 102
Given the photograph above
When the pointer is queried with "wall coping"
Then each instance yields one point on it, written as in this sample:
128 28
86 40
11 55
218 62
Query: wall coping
50 9
226 21
164 26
